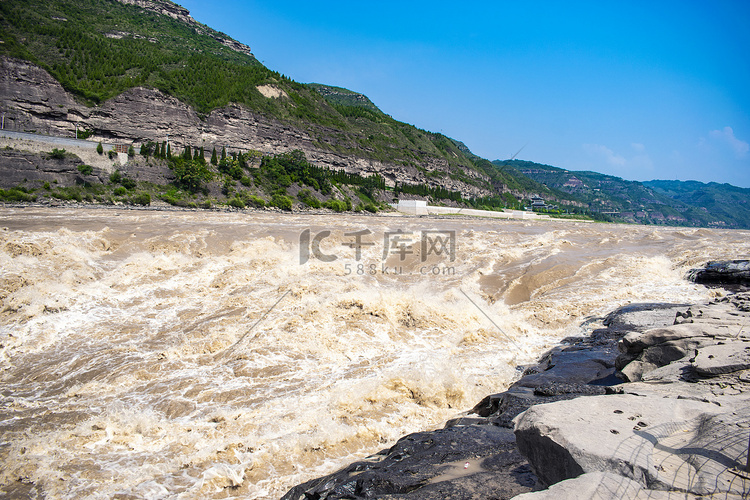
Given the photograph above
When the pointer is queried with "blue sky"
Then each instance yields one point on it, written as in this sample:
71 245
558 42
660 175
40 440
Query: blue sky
640 90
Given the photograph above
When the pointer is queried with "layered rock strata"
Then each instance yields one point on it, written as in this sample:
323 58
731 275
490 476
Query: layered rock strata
33 101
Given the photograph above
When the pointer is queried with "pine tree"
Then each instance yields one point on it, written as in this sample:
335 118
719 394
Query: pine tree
169 151
214 160
99 148
223 153
201 156
188 155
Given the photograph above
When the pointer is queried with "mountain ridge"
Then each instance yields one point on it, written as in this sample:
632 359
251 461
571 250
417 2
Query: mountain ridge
690 203
140 71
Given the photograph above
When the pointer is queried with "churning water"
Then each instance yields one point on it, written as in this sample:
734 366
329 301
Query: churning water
149 354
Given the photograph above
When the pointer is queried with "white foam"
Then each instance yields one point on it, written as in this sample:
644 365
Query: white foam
148 356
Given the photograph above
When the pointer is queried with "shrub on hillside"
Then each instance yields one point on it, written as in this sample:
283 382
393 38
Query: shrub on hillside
86 169
335 205
236 202
142 198
16 194
57 154
281 201
115 177
255 201
306 197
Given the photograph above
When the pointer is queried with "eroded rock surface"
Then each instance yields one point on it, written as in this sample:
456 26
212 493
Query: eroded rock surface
458 462
683 427
697 327
725 272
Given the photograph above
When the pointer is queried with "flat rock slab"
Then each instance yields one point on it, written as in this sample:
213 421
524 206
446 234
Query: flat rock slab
605 486
640 317
700 459
721 358
615 433
592 485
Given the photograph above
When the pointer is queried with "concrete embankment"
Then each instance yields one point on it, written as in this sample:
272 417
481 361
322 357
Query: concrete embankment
420 207
85 150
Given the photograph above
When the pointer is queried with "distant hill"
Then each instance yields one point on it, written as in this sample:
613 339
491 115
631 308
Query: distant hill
655 202
731 204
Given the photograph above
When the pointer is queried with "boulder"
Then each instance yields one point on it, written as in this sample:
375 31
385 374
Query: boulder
724 272
657 356
637 342
571 365
695 328
643 316
603 485
473 461
725 357
614 433
500 409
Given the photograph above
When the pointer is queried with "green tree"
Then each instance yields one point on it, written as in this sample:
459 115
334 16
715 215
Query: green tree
214 159
100 148
201 156
190 174
131 151
187 154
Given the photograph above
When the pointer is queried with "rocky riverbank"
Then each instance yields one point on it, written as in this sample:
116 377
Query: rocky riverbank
656 404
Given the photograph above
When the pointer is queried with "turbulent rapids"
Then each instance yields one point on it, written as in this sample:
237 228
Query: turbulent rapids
211 355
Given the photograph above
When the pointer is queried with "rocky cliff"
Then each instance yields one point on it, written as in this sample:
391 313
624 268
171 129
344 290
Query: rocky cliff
33 101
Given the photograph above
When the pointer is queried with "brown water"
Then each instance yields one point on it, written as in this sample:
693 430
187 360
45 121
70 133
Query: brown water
141 355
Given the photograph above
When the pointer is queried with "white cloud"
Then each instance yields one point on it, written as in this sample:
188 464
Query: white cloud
606 154
726 135
638 147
